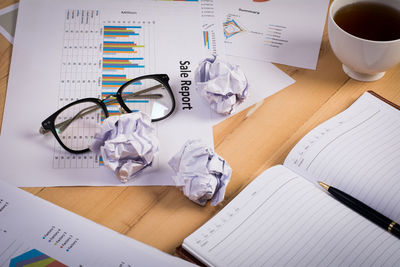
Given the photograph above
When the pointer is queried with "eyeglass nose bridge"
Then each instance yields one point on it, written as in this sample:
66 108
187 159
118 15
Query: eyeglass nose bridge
113 99
108 97
122 110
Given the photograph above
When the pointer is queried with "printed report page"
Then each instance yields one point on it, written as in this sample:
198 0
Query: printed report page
80 49
34 231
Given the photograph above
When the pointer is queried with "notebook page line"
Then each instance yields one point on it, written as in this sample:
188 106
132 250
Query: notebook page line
342 263
241 241
293 240
358 233
393 253
257 243
317 246
347 234
374 241
300 225
342 153
365 170
381 190
313 142
363 162
234 212
260 249
379 245
357 240
299 253
359 146
348 229
377 158
340 159
278 218
311 162
233 230
382 254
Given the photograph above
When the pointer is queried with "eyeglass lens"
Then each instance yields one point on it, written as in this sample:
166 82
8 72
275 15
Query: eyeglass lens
76 125
148 96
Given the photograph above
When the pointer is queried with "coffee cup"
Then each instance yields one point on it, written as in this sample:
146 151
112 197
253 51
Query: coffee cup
362 59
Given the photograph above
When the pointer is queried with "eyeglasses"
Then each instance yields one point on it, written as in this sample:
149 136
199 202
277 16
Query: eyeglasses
74 125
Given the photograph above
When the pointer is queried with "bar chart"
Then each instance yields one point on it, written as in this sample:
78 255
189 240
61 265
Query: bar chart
127 54
206 39
98 56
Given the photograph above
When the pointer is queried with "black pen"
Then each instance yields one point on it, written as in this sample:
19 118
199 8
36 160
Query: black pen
366 211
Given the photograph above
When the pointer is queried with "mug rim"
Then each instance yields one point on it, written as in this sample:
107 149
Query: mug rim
351 35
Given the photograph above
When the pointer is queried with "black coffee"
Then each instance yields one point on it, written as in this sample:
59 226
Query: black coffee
372 21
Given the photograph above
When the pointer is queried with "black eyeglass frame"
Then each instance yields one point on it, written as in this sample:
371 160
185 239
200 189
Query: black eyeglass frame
161 78
49 123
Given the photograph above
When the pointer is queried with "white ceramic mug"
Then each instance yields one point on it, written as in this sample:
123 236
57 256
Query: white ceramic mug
362 59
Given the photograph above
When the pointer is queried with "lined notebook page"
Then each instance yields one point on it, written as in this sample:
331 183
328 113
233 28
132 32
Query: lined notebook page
282 219
357 151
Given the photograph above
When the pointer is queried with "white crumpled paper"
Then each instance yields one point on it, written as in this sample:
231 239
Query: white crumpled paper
200 173
127 144
221 84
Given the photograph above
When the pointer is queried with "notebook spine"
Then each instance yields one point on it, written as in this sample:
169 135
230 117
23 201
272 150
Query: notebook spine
184 254
384 100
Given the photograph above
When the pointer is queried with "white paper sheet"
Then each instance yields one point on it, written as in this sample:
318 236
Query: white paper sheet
40 63
263 77
30 225
280 31
52 66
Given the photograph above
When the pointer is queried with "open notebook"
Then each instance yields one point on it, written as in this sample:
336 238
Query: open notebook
283 217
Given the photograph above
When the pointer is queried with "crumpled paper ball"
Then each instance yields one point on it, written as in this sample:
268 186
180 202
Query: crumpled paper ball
127 144
200 173
221 84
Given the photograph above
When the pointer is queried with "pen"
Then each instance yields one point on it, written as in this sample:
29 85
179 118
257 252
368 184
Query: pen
366 211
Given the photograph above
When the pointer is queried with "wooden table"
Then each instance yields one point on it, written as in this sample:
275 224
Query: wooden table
251 142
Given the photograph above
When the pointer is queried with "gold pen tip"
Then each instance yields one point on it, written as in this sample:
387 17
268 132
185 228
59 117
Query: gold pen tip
324 185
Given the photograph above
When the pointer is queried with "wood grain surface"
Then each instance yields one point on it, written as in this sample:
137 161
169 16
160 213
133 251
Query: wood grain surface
251 142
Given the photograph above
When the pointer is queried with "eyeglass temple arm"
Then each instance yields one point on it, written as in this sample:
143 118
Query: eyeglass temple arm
63 125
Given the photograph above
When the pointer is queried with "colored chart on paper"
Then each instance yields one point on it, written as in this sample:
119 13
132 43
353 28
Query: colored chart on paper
206 38
34 258
126 55
98 56
231 27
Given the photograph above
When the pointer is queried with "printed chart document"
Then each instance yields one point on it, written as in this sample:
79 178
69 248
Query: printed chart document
280 31
34 231
264 79
65 59
284 218
62 53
